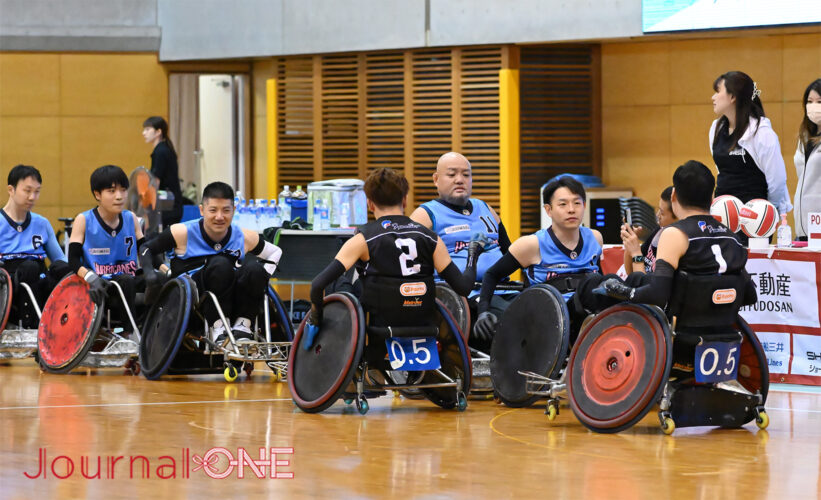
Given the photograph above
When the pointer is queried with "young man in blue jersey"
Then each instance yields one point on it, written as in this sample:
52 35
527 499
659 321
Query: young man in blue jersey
232 263
456 217
26 240
105 239
561 255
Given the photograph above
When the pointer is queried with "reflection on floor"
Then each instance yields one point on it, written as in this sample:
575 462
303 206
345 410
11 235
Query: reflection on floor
55 426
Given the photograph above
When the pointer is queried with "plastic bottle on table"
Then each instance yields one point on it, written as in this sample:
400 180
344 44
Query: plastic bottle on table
344 215
784 239
276 218
285 203
324 215
317 219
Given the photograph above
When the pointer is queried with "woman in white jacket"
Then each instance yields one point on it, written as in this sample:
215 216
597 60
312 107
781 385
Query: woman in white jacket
744 146
808 160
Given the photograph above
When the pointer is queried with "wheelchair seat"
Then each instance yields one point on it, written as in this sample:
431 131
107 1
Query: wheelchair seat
632 356
357 338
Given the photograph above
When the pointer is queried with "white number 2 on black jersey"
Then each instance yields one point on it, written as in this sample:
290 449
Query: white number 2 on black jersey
408 248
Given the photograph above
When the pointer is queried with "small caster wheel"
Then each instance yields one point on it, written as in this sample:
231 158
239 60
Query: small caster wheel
461 401
396 394
248 369
551 412
347 401
230 373
280 375
362 405
668 426
762 420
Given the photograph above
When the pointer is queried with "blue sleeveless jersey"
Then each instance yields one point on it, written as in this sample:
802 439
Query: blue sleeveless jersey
109 251
199 245
558 260
456 228
26 240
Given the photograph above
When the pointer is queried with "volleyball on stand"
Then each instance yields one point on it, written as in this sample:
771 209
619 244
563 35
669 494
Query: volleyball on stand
727 210
761 223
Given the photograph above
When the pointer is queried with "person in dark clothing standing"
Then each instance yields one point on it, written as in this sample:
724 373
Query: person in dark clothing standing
164 165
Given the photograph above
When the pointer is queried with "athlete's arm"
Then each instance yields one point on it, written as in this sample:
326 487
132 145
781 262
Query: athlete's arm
267 252
356 248
523 252
75 246
461 282
422 216
53 250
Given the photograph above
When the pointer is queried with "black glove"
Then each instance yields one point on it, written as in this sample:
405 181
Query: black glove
614 287
98 287
312 327
479 243
485 326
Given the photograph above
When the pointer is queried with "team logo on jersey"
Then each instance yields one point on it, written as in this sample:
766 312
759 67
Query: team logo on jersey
413 289
412 303
573 255
99 251
724 296
702 225
217 247
457 229
19 229
386 224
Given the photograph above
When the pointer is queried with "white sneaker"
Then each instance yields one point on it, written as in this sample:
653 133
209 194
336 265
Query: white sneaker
218 333
242 331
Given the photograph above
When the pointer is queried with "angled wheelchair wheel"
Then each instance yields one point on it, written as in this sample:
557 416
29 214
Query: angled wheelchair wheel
281 328
318 376
458 307
68 325
618 367
165 326
454 358
753 370
5 298
533 335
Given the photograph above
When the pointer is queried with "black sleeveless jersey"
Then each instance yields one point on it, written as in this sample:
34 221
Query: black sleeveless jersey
713 248
738 174
398 247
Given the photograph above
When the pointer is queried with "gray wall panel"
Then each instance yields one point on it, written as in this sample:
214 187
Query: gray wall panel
466 22
315 26
214 29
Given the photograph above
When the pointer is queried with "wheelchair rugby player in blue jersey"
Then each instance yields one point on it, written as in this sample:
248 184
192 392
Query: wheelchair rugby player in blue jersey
219 306
26 241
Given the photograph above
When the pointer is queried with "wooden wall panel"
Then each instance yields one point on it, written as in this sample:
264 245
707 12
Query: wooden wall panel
342 115
558 124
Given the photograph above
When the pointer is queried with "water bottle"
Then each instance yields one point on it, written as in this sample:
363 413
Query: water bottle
317 220
324 215
240 215
237 200
784 233
285 204
344 215
259 212
276 217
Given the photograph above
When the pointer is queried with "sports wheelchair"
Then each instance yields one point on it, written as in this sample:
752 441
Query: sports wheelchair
403 339
16 342
175 341
704 366
76 331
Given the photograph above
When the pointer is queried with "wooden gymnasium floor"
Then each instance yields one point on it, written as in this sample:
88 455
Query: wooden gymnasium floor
401 449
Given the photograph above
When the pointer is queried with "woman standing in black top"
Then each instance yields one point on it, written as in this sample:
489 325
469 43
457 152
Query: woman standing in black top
164 165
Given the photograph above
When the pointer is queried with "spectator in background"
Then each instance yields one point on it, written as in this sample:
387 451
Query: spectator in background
641 257
164 165
808 160
744 146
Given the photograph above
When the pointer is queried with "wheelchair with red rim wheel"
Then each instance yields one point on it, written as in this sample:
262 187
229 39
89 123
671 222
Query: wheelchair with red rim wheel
76 331
706 367
174 340
431 358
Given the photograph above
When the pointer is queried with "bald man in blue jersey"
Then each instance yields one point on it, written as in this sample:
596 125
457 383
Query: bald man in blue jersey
455 216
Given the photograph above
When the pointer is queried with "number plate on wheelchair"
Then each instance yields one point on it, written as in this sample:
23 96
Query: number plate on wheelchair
413 354
717 361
